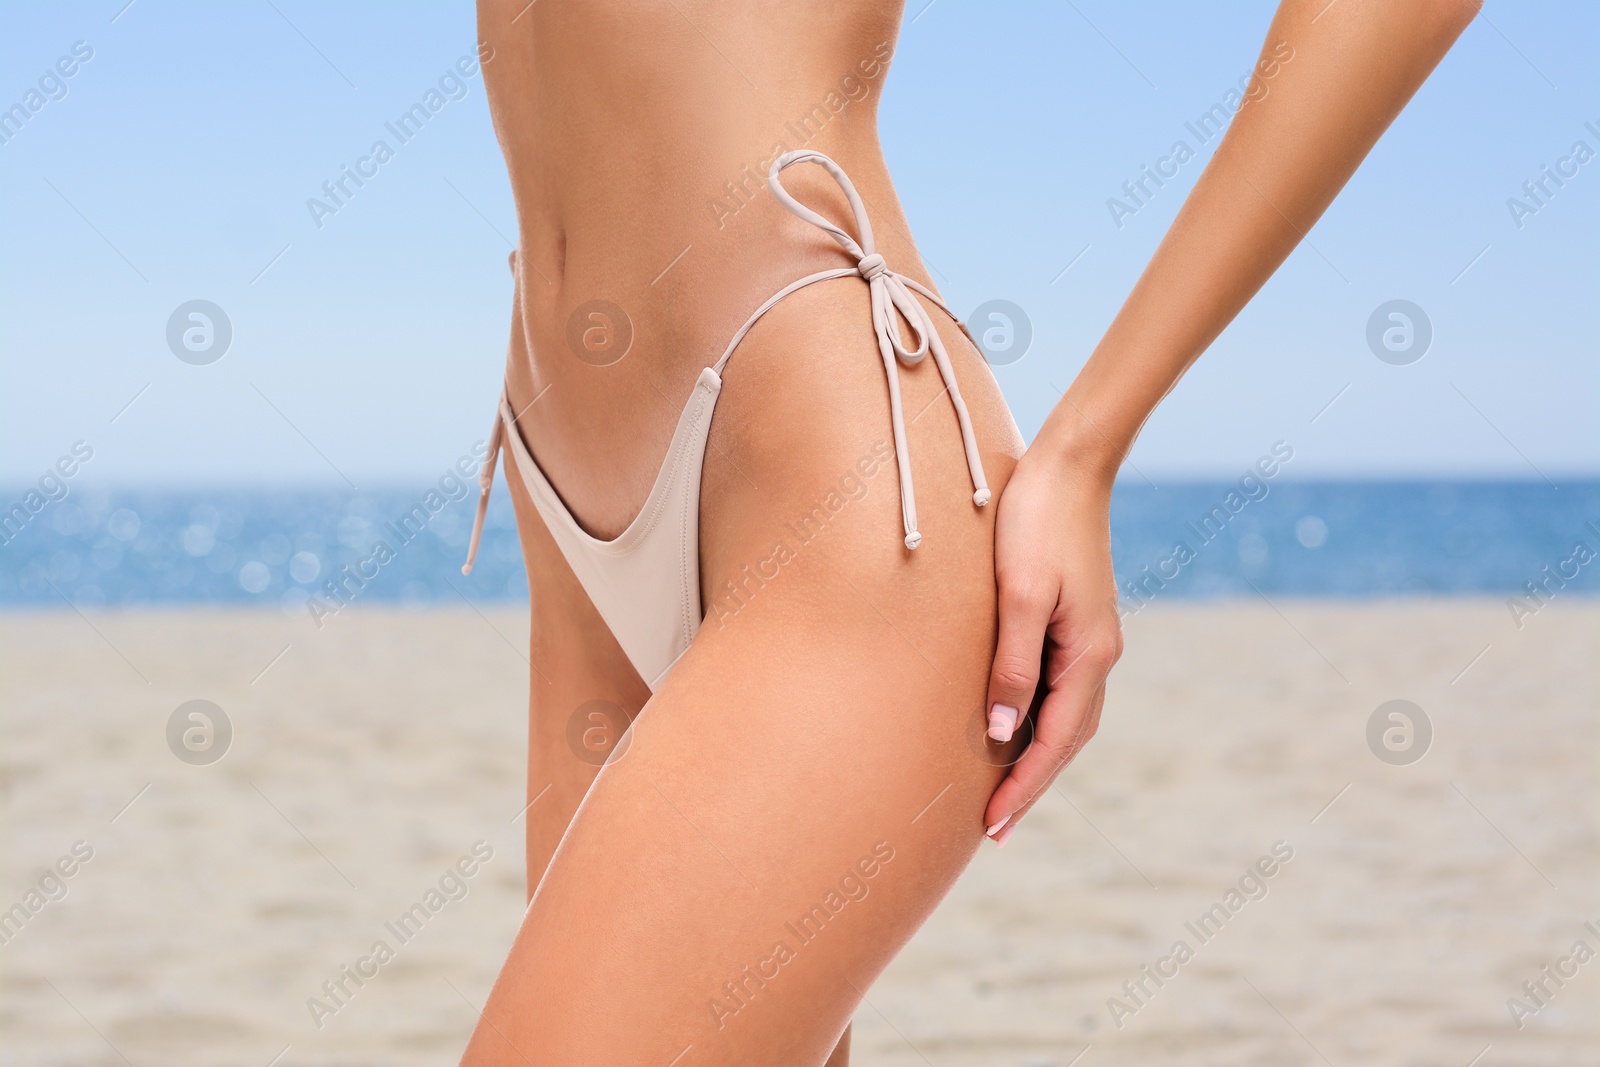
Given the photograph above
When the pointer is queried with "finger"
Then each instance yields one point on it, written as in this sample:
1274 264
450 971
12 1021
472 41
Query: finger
1065 722
1024 614
1086 731
1052 749
1091 727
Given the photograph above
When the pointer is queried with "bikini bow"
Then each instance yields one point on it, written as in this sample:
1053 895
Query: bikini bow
892 301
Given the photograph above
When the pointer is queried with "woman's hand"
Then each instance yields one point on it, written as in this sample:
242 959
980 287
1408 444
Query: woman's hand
1059 630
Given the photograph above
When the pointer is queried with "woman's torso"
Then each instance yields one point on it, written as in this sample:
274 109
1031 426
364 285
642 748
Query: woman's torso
637 137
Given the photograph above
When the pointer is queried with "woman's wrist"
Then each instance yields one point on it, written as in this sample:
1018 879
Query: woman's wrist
1083 453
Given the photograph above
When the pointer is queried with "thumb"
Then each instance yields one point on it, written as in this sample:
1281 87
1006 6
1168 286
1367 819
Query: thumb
1024 615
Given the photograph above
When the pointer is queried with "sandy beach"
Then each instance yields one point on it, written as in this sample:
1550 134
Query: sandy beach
1406 903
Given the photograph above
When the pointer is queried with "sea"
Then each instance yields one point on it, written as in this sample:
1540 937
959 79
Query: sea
289 548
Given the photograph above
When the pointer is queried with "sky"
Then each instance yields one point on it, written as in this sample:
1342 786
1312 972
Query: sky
175 162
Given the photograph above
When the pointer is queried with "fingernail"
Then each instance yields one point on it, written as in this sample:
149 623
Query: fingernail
1002 722
997 827
1000 842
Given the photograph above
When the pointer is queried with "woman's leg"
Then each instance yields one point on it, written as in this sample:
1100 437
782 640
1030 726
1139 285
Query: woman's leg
586 677
809 781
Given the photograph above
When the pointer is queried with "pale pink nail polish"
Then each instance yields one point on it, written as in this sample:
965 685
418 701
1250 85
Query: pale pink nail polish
1005 835
1002 722
997 827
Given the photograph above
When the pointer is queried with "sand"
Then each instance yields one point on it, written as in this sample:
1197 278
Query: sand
371 756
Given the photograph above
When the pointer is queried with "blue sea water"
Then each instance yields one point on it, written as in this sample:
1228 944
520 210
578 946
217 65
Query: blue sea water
1185 541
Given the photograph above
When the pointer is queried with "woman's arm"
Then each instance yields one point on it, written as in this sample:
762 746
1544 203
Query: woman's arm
1286 155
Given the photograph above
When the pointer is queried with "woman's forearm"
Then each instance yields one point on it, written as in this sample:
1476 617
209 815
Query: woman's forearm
1354 64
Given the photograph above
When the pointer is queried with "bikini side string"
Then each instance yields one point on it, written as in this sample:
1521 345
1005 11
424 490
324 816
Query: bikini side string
485 484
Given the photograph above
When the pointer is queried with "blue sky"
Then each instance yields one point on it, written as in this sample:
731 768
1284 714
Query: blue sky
178 162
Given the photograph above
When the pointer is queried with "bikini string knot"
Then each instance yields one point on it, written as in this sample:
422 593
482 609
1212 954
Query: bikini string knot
892 302
872 267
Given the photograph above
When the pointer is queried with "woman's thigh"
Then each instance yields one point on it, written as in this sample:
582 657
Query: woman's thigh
810 779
